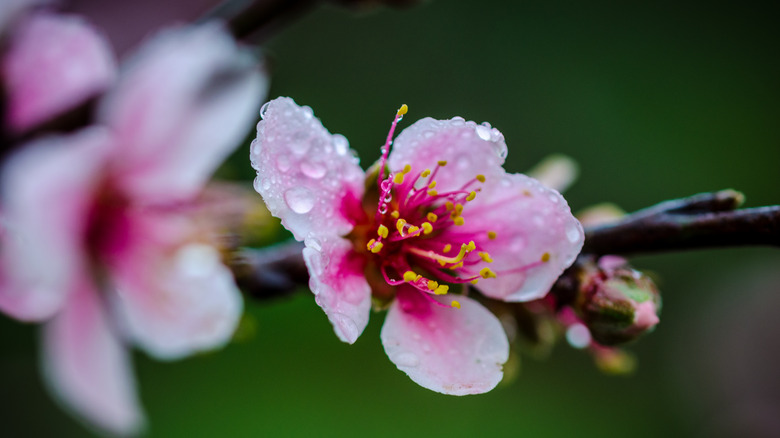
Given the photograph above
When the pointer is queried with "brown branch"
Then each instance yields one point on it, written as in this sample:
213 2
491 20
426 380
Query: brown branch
702 221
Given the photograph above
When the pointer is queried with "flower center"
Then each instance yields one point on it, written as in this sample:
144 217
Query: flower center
416 235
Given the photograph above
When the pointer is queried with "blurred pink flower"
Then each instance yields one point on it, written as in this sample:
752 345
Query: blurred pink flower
98 242
447 213
52 64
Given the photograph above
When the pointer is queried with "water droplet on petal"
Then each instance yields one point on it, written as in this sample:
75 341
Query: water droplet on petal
307 112
389 197
312 242
299 199
313 170
483 132
428 134
406 360
263 109
382 208
578 336
573 233
283 163
340 143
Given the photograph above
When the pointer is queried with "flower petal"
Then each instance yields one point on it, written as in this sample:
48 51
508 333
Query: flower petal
183 103
536 239
53 63
469 150
174 295
307 177
447 350
48 189
336 278
86 366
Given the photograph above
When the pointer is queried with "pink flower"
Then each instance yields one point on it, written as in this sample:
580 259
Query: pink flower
52 64
98 240
446 216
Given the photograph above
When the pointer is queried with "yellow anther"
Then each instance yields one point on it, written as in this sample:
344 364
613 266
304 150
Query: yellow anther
491 235
487 273
432 217
382 231
442 262
455 304
432 193
370 243
432 285
418 277
442 289
398 178
403 110
410 276
394 214
527 193
471 196
475 281
459 208
441 163
459 265
447 248
432 184
449 205
407 168
546 257
459 221
377 247
486 257
399 225
425 173
481 178
427 228
413 229
471 246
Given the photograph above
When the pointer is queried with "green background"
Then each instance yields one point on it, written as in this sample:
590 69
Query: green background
654 100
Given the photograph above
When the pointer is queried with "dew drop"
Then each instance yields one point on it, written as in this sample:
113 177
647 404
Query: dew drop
299 199
307 112
573 233
313 170
578 336
340 143
428 134
264 109
483 132
382 208
283 163
312 242
406 360
389 197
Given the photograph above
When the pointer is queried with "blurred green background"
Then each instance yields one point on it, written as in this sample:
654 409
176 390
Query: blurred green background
654 100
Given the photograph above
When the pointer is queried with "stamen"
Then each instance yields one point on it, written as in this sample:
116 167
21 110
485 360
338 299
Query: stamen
382 231
432 217
432 193
399 225
442 163
410 276
432 184
459 221
427 228
377 247
398 178
447 248
481 178
546 257
455 304
370 244
491 235
433 285
449 205
425 173
487 273
386 149
471 196
394 214
486 257
442 289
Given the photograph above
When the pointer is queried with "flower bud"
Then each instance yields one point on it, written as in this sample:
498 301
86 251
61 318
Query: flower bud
616 302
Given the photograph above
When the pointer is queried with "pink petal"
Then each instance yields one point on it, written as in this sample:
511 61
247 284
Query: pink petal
339 285
468 148
530 220
48 189
54 62
447 350
183 103
174 295
307 177
86 366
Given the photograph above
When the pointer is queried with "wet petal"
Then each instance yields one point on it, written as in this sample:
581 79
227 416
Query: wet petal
469 150
536 236
447 350
308 177
47 192
174 296
183 103
86 366
54 62
339 286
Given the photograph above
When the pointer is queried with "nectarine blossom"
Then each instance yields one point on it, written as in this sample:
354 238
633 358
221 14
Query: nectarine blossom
432 218
98 242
